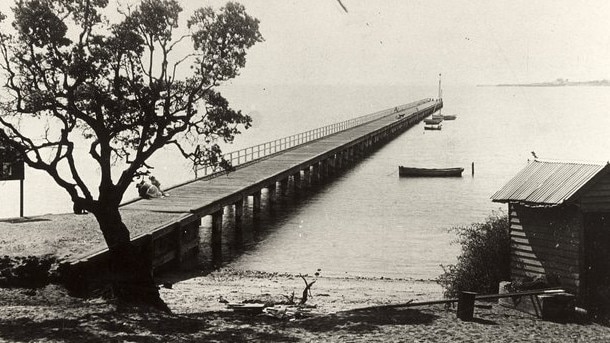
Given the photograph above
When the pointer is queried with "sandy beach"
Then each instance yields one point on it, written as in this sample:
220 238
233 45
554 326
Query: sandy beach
340 310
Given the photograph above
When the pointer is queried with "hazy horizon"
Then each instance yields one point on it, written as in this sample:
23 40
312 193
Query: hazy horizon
411 42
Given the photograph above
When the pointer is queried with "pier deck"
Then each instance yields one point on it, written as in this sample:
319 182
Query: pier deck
203 197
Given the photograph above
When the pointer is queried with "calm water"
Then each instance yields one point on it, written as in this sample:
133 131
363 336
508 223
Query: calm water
368 221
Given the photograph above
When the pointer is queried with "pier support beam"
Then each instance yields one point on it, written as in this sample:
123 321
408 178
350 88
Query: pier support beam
306 177
256 203
296 178
326 168
239 231
217 237
332 163
272 190
315 173
284 186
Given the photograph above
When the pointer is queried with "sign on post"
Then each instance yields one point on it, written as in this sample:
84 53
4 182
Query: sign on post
12 167
11 164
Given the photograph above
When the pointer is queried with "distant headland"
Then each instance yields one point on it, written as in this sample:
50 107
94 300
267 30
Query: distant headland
556 83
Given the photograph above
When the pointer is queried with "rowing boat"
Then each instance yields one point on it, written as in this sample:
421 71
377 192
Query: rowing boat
432 121
430 172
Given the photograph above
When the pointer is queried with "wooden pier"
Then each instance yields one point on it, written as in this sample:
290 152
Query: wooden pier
308 157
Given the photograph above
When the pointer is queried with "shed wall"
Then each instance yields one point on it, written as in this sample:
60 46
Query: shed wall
545 242
597 197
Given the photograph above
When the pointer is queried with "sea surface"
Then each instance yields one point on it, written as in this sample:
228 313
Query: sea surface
368 221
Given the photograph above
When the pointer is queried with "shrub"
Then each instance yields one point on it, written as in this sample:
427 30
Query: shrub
27 271
484 260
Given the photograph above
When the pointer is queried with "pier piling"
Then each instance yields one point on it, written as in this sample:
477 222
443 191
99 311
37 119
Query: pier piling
239 213
256 203
217 237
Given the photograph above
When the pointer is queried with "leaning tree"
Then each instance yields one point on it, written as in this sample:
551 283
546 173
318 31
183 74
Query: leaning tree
125 86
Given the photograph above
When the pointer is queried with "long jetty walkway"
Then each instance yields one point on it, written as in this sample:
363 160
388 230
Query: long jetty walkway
305 158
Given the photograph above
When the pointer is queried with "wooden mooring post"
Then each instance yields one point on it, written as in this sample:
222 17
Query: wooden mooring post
465 308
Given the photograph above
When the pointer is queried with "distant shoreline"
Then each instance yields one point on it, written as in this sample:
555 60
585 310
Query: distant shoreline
556 83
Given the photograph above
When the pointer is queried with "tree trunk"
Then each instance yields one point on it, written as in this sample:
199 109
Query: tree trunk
131 270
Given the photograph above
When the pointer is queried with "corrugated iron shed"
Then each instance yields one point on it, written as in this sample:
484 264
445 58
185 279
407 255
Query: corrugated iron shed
548 183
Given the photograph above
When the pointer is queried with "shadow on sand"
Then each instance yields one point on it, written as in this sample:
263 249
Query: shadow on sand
223 326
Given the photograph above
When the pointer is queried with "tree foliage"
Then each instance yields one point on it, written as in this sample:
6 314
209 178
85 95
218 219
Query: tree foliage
126 89
484 260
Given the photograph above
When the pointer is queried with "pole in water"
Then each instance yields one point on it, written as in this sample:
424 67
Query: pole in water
472 168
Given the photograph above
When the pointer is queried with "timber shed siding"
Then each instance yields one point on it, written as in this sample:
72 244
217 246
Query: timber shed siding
556 211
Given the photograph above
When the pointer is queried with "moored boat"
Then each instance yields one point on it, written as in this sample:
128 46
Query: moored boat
449 117
429 172
433 127
432 121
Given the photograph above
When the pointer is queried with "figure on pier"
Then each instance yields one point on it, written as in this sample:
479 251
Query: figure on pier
156 183
148 191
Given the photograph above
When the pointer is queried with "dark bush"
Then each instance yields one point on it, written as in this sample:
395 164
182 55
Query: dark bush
27 271
484 260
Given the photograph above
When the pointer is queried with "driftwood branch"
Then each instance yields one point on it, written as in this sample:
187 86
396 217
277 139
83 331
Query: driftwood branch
307 290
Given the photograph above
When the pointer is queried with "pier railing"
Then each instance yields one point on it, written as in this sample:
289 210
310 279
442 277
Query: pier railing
242 156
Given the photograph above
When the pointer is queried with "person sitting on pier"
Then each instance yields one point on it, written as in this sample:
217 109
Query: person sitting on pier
148 191
156 183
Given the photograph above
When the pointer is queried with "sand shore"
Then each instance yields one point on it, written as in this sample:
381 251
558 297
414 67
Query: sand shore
334 314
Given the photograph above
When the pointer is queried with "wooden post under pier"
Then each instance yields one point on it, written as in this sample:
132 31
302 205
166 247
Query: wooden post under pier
296 179
306 177
271 190
284 186
315 173
239 213
256 204
217 237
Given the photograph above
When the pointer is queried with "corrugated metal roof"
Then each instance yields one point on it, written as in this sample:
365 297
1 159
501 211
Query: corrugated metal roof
548 182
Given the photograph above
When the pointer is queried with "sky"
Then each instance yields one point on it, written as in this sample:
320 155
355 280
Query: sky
411 41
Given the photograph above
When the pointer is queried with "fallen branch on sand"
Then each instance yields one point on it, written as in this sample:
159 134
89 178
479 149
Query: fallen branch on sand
307 290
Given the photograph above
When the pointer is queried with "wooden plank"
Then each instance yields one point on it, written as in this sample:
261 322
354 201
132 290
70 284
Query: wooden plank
595 207
546 243
544 271
546 265
545 257
569 237
565 282
597 192
553 230
163 259
544 252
